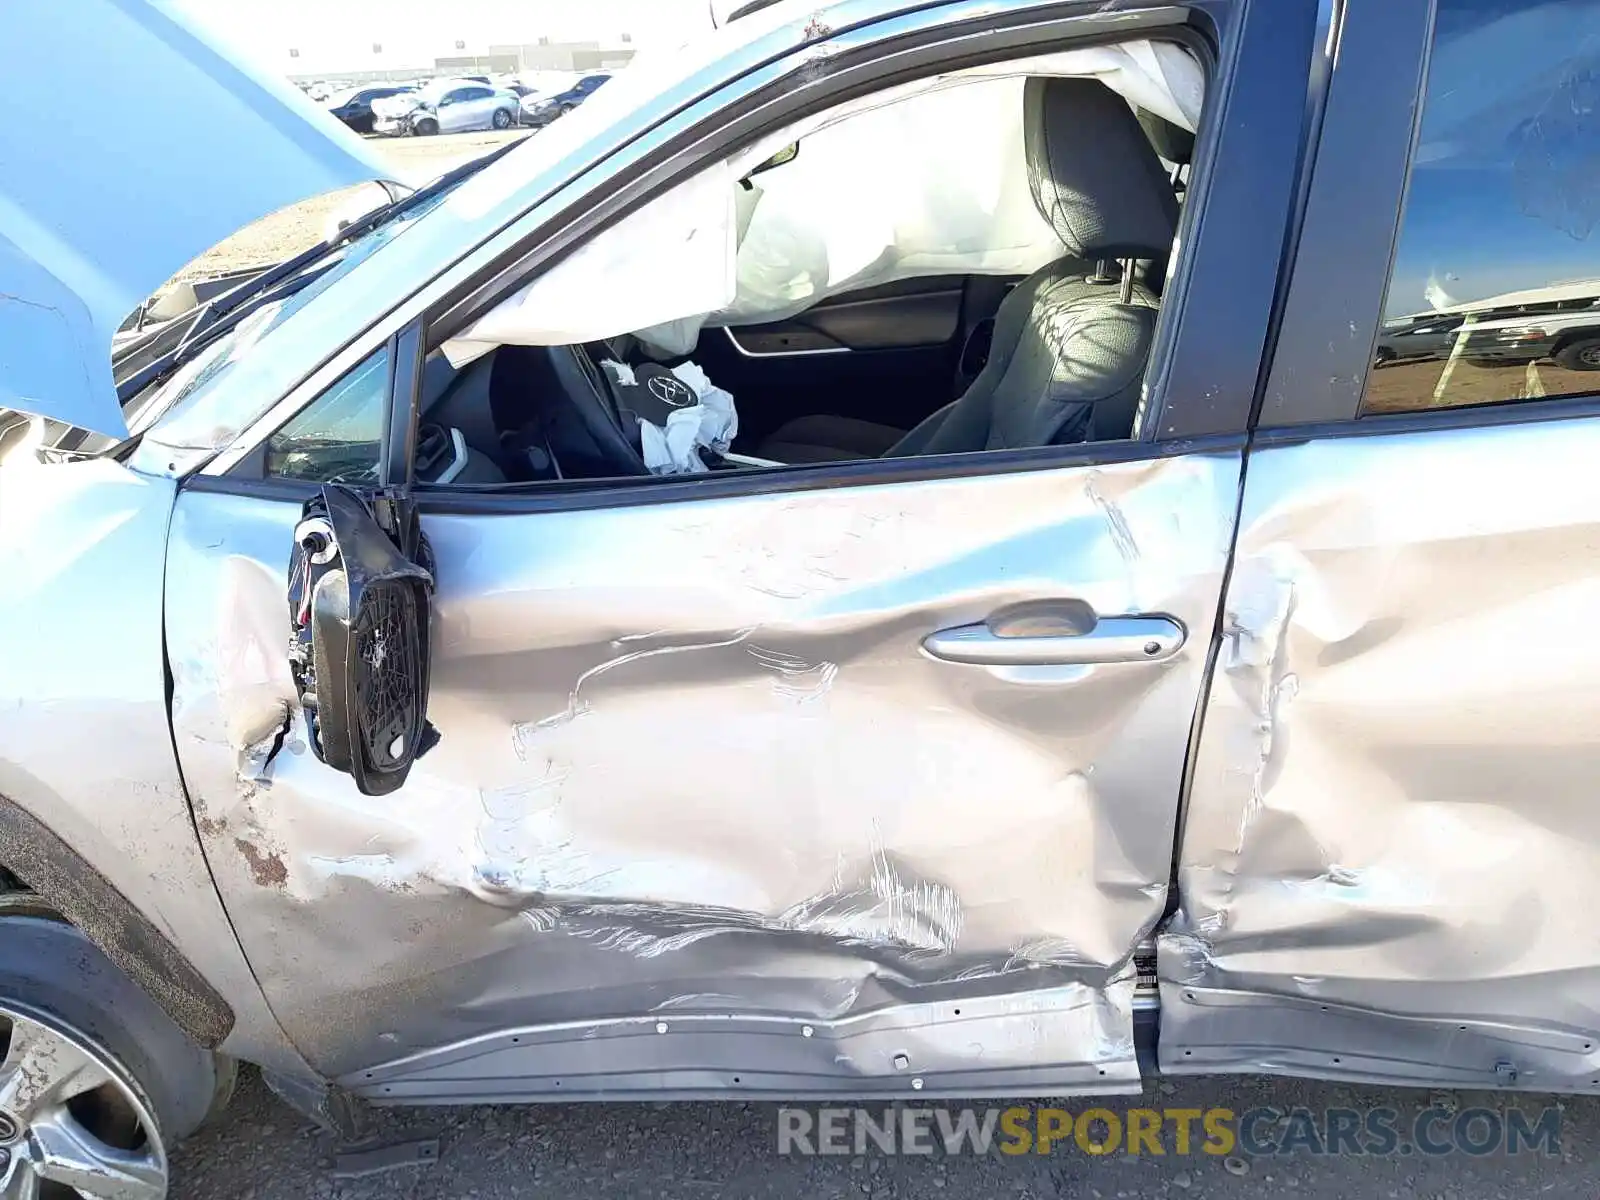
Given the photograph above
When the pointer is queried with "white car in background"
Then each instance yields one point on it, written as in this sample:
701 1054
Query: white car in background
447 106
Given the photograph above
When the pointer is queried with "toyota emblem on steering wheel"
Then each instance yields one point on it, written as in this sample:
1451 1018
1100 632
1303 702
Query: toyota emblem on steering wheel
671 391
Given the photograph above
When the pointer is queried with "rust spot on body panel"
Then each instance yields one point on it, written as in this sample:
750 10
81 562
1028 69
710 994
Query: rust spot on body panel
266 866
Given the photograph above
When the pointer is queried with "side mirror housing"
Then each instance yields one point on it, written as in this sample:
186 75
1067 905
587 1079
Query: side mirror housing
360 609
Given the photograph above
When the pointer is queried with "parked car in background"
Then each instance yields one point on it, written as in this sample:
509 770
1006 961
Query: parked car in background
539 111
1560 323
1427 335
455 105
354 107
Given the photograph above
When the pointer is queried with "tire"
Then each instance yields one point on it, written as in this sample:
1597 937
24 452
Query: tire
226 1069
566 108
58 990
1581 354
426 127
501 119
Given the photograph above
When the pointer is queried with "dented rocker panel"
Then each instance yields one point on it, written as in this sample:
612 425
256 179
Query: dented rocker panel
1028 1040
1388 867
740 798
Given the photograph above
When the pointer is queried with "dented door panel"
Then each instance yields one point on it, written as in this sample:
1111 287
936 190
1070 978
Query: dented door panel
1390 861
702 815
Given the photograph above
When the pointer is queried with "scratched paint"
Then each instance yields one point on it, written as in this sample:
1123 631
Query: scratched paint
693 756
1388 863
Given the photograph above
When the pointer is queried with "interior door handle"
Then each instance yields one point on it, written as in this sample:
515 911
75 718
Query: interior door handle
1111 640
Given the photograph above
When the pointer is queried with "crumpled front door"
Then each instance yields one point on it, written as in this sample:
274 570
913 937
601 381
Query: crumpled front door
858 790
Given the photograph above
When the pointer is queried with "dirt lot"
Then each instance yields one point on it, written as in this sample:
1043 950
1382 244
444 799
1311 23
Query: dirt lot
291 230
1407 387
262 1151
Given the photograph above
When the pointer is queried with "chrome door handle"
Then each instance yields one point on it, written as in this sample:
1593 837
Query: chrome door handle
1112 640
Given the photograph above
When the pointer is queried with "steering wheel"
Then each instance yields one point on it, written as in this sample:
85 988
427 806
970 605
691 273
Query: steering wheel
576 409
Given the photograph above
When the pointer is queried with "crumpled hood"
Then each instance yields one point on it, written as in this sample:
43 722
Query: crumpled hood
96 212
397 106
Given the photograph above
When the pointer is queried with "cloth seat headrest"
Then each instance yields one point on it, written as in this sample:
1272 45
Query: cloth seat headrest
1094 175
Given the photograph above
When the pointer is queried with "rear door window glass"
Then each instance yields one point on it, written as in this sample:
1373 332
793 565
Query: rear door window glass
1495 291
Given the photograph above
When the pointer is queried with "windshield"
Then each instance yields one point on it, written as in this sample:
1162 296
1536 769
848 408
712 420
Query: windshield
182 398
208 416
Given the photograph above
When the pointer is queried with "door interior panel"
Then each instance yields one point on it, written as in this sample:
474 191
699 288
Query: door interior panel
888 354
897 316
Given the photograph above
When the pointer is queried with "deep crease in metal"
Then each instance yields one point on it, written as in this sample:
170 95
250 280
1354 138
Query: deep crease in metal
744 781
1387 866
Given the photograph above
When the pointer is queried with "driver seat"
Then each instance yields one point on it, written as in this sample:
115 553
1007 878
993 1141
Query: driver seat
1071 340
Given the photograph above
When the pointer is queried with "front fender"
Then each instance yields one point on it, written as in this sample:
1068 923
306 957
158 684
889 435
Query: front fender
93 813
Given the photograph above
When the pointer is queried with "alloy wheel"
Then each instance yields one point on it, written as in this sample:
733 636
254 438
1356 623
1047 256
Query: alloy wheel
71 1123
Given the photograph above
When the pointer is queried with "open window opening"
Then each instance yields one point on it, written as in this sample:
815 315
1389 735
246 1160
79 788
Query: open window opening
971 261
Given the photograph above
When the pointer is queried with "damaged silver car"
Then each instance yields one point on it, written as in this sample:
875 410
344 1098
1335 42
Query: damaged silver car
870 559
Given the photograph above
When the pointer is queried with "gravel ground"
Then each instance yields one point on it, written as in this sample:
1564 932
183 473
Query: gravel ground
260 1150
1407 387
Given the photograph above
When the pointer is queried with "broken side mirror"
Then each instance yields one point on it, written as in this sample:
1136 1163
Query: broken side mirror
360 611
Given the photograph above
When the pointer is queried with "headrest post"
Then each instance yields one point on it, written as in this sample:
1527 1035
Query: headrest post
1127 280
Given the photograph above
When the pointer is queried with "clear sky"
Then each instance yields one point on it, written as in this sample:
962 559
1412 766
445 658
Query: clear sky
339 34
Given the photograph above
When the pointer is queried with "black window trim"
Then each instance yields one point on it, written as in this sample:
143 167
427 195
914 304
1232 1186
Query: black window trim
401 414
1350 227
1491 415
631 492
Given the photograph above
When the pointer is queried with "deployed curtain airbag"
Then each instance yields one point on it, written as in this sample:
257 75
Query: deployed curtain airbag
928 178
